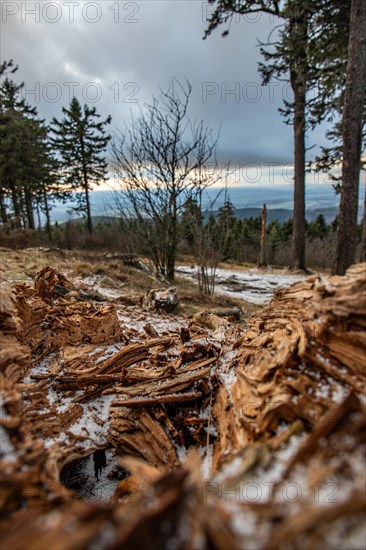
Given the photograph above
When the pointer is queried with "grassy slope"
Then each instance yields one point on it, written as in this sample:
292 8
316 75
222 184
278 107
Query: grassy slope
128 282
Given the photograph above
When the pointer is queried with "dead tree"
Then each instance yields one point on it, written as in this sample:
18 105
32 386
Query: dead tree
262 255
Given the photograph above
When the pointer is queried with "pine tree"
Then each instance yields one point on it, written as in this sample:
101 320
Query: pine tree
191 221
81 142
328 54
24 157
289 58
225 227
311 51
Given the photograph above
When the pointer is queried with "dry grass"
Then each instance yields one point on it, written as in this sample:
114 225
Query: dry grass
22 265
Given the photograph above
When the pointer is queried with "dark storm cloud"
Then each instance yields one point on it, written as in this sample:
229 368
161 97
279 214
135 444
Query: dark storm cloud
116 54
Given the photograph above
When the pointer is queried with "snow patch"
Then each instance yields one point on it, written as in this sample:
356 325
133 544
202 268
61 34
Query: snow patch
251 285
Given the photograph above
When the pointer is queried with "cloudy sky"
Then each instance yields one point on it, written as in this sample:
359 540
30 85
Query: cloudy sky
115 54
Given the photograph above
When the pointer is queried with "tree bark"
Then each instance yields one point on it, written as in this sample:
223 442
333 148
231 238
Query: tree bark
86 189
298 84
47 212
172 236
3 212
171 250
29 208
363 241
352 138
88 211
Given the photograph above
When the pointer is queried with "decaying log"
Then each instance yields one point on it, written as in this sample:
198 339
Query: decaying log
150 402
161 300
50 322
277 406
232 313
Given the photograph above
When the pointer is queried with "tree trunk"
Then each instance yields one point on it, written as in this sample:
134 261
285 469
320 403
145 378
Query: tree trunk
298 84
88 211
47 212
3 212
352 138
39 217
170 263
86 189
262 255
363 241
29 208
172 236
15 201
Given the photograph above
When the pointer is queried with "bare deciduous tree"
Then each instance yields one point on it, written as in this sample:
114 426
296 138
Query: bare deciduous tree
208 253
156 161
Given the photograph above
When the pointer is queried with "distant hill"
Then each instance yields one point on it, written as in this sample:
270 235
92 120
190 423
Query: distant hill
279 214
283 214
329 213
96 220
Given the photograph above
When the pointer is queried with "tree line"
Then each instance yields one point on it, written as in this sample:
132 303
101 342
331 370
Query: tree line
209 237
231 239
164 160
41 163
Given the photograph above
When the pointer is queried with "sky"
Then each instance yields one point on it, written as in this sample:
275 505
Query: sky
114 55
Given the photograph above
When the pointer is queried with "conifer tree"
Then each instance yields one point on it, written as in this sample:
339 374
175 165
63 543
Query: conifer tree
81 141
289 58
24 156
311 50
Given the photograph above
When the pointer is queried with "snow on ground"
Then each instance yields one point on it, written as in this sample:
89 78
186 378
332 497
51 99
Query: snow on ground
134 319
95 489
97 284
252 285
7 451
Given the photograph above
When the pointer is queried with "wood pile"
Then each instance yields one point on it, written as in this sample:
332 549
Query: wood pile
230 439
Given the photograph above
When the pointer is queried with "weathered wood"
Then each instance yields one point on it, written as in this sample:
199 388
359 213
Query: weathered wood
281 401
150 402
161 300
